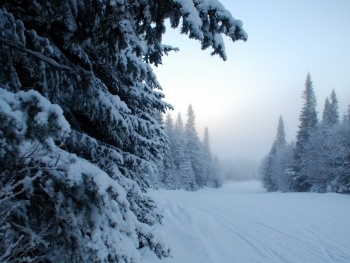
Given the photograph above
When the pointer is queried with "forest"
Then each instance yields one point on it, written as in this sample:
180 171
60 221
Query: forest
319 159
187 162
84 137
80 136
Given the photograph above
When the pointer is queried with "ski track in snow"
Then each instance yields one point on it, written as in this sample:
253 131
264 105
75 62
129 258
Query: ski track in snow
241 222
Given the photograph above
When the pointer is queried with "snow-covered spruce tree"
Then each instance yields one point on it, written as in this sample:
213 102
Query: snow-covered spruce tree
270 177
212 175
155 178
178 170
92 59
330 115
308 123
326 116
179 174
334 112
280 140
283 162
318 166
194 148
340 153
342 156
182 161
328 161
318 163
346 116
168 173
337 146
206 143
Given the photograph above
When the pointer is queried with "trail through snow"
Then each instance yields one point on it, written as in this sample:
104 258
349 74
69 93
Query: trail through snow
241 222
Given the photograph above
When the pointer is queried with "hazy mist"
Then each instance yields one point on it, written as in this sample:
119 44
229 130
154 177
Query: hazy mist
240 100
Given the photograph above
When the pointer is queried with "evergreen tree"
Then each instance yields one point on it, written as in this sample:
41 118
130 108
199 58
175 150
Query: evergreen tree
267 174
212 174
82 198
280 140
318 166
340 147
326 117
320 161
194 148
167 169
308 123
308 118
206 144
334 113
270 176
219 180
330 112
179 173
347 116
182 159
282 163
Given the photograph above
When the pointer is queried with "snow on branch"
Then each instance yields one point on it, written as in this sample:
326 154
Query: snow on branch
207 21
38 55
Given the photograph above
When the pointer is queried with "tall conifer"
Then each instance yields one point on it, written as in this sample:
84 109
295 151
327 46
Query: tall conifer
182 158
194 148
308 123
280 140
326 116
334 113
269 175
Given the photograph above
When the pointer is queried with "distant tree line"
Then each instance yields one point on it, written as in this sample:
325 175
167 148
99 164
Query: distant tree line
187 161
240 169
319 160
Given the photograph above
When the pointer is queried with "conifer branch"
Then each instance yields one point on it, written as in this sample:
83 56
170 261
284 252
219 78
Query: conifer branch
38 55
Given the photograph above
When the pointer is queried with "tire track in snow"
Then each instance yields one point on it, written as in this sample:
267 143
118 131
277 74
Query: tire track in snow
239 231
226 225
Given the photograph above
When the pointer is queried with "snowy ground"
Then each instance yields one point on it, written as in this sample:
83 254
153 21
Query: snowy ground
240 222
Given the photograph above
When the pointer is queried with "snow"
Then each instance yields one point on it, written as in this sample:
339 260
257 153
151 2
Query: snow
241 222
192 16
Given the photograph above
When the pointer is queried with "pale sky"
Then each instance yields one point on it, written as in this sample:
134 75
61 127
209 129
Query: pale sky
240 100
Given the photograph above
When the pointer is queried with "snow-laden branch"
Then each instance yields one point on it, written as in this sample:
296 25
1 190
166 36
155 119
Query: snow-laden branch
38 55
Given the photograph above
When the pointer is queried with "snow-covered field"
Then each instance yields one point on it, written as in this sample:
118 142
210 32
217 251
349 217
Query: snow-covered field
241 222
